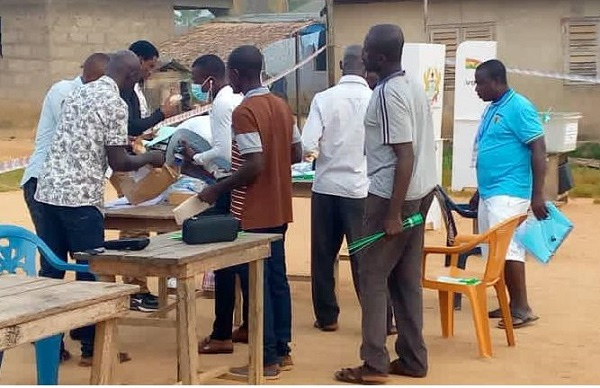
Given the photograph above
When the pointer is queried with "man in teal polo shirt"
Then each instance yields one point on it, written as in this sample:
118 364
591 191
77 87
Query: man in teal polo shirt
510 159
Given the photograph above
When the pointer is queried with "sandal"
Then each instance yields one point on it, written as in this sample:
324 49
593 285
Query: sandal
363 375
520 319
495 314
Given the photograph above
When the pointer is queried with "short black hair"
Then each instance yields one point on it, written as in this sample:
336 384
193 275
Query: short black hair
247 60
495 70
387 40
144 49
211 64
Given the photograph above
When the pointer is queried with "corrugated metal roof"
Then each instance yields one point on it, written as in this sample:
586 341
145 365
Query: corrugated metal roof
220 38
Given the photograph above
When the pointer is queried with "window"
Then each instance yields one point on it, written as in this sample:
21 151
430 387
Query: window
581 48
452 35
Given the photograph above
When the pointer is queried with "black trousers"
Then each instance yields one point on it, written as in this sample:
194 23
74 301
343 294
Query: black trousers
332 219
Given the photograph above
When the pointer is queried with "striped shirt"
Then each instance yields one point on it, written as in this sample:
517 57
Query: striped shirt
237 195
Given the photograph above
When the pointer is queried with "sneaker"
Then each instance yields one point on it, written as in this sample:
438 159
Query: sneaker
270 372
146 303
285 363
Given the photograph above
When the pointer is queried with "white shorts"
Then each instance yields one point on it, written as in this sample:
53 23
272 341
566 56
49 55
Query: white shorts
493 211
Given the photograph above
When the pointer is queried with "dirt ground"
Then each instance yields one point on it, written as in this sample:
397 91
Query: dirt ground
563 347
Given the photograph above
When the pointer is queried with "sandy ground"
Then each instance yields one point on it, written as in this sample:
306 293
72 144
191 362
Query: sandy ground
563 347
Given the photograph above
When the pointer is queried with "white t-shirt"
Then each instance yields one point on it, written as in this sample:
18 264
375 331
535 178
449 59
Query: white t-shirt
335 128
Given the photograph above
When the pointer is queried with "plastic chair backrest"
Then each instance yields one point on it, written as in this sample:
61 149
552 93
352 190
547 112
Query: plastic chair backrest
498 239
18 249
447 216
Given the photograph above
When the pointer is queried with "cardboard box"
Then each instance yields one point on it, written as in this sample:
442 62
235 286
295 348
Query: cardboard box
176 198
144 184
189 208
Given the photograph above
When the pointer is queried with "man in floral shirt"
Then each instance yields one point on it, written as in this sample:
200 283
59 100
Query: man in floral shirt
91 135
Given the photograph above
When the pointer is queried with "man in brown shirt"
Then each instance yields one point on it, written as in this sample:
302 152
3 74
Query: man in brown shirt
266 143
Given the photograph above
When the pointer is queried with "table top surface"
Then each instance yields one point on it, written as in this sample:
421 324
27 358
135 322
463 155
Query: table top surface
165 250
160 212
24 299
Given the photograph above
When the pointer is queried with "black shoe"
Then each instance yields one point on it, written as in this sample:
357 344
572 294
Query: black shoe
146 303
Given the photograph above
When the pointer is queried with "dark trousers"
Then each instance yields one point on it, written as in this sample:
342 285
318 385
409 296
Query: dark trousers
395 265
332 219
277 300
67 230
225 285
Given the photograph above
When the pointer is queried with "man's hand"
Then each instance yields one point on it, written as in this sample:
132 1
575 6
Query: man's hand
188 152
208 195
393 225
538 207
168 108
474 201
157 158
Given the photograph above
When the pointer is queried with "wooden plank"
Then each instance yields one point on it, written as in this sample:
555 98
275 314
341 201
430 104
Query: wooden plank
146 225
164 212
255 313
148 322
11 281
105 353
40 303
29 284
228 260
117 267
205 377
23 333
163 296
177 252
187 341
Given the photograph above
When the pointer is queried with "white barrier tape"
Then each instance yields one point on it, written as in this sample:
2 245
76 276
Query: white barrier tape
547 74
206 108
13 164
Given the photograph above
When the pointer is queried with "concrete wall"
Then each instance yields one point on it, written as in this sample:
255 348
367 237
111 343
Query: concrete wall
47 40
529 35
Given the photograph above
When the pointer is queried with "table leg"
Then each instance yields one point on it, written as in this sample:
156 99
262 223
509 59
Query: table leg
237 311
187 341
255 339
163 297
106 278
105 353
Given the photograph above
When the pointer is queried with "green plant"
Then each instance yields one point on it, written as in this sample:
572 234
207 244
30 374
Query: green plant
11 181
586 150
586 182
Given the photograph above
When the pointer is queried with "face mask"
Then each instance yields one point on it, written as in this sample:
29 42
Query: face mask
198 93
201 95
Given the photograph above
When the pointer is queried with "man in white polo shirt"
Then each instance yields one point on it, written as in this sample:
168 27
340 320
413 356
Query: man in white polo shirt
334 133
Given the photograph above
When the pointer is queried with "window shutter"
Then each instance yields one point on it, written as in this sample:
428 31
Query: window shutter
582 49
449 36
452 36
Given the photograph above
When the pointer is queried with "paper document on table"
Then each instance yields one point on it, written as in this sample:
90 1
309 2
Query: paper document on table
189 208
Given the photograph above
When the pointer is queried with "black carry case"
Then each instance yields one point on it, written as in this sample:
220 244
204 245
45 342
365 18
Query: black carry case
210 229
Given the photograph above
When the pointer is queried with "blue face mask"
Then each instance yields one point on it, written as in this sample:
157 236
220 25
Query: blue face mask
198 93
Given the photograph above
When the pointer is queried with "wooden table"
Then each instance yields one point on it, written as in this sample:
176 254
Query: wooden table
156 218
165 257
36 308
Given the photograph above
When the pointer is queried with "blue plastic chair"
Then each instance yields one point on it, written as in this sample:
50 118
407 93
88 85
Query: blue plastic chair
19 253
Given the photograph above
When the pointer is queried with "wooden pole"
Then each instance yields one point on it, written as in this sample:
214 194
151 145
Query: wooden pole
297 72
330 44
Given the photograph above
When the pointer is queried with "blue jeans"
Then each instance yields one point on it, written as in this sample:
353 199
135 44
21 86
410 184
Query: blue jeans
67 230
277 300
